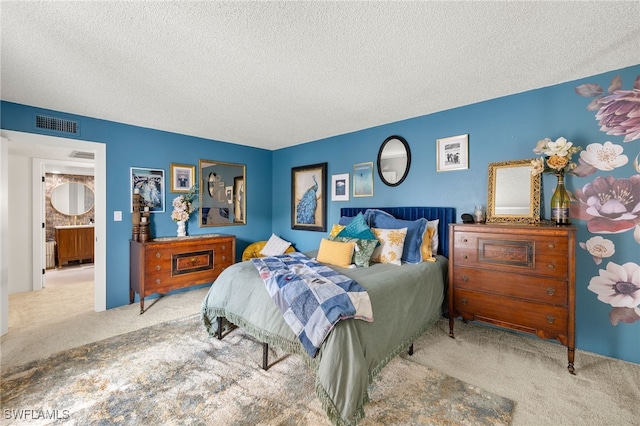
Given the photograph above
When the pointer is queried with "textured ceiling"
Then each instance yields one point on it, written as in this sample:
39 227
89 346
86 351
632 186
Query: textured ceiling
276 74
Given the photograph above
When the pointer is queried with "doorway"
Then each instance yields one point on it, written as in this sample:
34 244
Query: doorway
42 146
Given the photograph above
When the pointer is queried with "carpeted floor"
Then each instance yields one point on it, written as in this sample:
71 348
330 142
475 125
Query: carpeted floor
174 373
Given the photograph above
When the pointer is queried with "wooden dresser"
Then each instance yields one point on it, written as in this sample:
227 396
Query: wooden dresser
167 264
520 277
74 243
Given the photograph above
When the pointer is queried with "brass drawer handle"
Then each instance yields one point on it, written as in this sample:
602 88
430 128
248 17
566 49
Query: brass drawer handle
464 240
193 261
551 266
550 291
223 247
465 302
550 319
464 256
158 268
224 257
465 278
158 281
551 246
158 255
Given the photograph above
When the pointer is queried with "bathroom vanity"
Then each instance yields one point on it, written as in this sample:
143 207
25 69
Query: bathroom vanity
74 242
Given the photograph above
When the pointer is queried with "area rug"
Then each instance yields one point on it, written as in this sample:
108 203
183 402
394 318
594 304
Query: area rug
175 373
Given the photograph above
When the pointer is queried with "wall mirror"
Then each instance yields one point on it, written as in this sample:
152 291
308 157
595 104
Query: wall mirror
394 160
514 194
222 193
72 198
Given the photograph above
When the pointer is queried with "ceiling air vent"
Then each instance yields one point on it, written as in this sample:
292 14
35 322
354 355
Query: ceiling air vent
57 124
82 154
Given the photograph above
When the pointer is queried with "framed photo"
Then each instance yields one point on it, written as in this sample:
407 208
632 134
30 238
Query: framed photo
363 179
309 197
182 177
340 187
150 184
452 153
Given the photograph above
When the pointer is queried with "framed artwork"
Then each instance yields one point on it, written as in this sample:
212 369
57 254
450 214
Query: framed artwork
363 179
340 187
309 197
452 153
182 177
238 197
149 183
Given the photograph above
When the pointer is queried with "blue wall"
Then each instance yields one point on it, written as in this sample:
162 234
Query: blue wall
131 146
502 129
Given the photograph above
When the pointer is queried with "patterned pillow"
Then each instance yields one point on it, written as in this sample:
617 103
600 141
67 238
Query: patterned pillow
335 252
275 246
392 243
362 251
435 243
335 230
411 252
357 228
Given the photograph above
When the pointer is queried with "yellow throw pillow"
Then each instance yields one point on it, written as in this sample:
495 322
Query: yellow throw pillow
335 252
391 245
335 230
427 248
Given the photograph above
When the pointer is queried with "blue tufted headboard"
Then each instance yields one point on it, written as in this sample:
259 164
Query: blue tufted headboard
446 215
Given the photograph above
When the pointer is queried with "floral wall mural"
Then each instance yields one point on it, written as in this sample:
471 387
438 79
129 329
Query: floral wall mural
609 204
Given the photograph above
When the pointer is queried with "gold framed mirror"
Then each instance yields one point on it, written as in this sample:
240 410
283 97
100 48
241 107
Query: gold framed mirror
514 193
222 193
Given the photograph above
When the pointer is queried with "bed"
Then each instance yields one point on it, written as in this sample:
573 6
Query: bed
406 301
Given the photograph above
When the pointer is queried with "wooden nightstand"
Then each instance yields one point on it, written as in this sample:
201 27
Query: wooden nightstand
520 277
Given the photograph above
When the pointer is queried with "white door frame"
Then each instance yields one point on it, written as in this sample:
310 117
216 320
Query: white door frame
100 246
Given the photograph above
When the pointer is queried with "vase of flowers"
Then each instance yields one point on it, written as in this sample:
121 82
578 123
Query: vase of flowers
556 160
183 206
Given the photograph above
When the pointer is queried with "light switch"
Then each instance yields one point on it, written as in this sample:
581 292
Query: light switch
117 216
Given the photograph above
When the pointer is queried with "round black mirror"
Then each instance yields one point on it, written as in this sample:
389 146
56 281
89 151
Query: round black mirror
394 159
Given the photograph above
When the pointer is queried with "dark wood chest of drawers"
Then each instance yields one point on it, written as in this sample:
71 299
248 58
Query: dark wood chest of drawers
520 277
167 264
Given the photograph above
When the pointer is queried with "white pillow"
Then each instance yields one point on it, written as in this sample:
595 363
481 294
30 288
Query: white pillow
435 241
275 246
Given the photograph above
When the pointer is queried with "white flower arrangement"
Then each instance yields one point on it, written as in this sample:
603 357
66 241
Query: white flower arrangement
184 205
557 156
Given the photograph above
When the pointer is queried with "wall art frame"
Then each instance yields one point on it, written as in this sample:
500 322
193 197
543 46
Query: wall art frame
340 187
183 177
309 197
363 179
452 153
150 184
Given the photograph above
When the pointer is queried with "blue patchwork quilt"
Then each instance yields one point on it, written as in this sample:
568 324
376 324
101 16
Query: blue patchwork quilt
311 296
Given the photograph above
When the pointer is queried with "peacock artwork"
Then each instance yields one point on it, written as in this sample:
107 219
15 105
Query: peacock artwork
308 197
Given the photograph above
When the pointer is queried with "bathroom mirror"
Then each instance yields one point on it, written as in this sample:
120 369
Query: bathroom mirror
514 194
222 193
72 198
394 160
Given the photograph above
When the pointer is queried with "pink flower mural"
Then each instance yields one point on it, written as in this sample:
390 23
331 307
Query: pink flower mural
618 112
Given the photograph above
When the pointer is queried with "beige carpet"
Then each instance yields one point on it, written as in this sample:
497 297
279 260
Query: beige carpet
529 371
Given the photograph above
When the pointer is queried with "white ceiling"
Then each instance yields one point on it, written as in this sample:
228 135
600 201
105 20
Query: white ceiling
277 74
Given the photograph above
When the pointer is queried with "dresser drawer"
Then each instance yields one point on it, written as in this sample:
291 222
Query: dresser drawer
544 320
538 289
532 254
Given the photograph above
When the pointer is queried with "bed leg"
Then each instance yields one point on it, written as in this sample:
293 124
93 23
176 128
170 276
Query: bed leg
265 356
219 333
410 351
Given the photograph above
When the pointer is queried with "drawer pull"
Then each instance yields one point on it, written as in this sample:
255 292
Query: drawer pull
465 278
158 281
550 319
158 255
551 266
193 261
224 257
157 267
465 302
464 240
464 256
223 247
550 291
551 246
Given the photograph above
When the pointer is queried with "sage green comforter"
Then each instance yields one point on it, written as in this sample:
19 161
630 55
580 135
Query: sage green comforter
406 300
